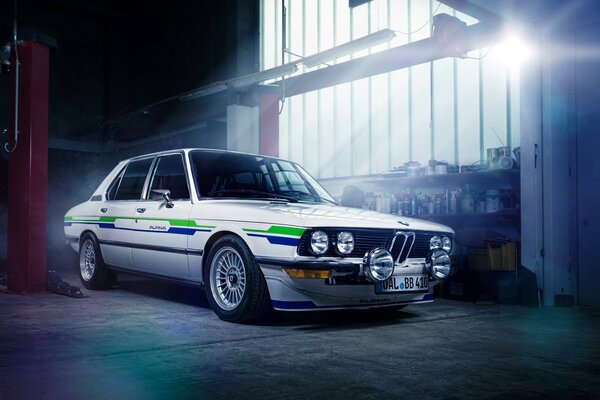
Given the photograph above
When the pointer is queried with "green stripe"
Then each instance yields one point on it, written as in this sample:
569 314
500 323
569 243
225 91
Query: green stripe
173 222
279 230
275 229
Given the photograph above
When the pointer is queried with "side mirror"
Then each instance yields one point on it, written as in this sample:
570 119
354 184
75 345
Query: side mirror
163 194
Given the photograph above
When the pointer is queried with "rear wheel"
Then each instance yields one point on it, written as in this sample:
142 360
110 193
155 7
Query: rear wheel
92 270
236 288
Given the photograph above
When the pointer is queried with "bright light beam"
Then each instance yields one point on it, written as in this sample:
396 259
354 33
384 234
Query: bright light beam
513 52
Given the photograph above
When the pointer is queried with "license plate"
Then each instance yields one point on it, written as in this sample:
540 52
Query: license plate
403 283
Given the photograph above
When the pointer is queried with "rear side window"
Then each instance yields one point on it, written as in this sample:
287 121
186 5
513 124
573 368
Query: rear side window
132 183
169 174
112 189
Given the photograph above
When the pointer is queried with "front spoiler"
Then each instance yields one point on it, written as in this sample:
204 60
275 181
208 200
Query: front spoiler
311 306
301 294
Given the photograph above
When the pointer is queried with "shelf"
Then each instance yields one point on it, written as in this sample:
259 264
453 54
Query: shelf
487 177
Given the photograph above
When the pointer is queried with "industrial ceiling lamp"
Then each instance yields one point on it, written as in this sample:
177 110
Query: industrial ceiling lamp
451 33
241 82
276 72
382 36
205 91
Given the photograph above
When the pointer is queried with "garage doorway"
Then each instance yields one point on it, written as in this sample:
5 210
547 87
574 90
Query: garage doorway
588 165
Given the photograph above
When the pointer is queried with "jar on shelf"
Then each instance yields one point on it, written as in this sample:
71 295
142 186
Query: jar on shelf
467 204
492 201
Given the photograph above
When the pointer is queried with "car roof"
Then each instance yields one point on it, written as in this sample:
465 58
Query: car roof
189 149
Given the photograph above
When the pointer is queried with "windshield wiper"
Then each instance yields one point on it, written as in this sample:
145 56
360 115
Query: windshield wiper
268 195
317 198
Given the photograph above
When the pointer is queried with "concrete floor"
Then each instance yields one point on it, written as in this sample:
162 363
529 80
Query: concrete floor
152 340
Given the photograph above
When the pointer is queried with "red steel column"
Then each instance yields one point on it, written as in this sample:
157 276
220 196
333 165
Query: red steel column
268 124
28 173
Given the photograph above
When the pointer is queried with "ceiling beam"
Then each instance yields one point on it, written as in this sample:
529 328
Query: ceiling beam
478 35
471 9
75 145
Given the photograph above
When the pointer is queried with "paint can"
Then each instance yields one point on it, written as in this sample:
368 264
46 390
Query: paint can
413 168
504 151
441 169
429 170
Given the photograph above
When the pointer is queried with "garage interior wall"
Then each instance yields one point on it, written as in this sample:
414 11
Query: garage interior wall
374 124
106 66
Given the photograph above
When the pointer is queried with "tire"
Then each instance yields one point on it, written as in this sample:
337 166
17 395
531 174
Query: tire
92 271
235 286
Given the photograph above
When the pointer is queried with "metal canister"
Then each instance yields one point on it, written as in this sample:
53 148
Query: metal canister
413 169
441 169
504 151
492 201
492 154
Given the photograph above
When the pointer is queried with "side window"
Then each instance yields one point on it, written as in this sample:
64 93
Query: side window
169 174
112 189
132 182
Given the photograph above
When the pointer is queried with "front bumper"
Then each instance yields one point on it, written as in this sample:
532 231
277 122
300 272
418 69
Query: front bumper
344 290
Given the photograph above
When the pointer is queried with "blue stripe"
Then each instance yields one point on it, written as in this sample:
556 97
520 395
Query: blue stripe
172 230
282 240
179 231
306 305
293 305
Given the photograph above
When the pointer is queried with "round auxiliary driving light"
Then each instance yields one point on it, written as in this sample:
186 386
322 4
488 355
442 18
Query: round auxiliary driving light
345 242
319 242
435 243
440 265
446 244
378 264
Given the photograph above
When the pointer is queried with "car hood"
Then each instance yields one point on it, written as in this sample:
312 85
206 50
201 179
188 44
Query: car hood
308 215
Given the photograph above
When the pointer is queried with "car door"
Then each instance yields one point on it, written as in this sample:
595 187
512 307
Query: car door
160 229
117 212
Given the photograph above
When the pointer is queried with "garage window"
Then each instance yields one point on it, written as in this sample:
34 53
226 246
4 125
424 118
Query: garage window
450 110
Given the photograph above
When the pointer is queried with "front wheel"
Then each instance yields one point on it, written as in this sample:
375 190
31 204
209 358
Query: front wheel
236 288
92 270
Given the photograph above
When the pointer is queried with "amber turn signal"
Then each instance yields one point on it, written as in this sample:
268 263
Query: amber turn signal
310 274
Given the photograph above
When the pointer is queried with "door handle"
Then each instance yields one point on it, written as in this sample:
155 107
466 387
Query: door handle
103 210
141 210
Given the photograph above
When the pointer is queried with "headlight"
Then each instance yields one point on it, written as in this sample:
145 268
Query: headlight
440 265
319 242
345 242
435 243
446 244
378 264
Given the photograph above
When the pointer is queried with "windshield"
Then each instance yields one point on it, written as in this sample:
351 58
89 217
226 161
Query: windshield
227 175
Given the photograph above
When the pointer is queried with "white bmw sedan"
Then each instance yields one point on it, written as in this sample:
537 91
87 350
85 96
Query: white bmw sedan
259 233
